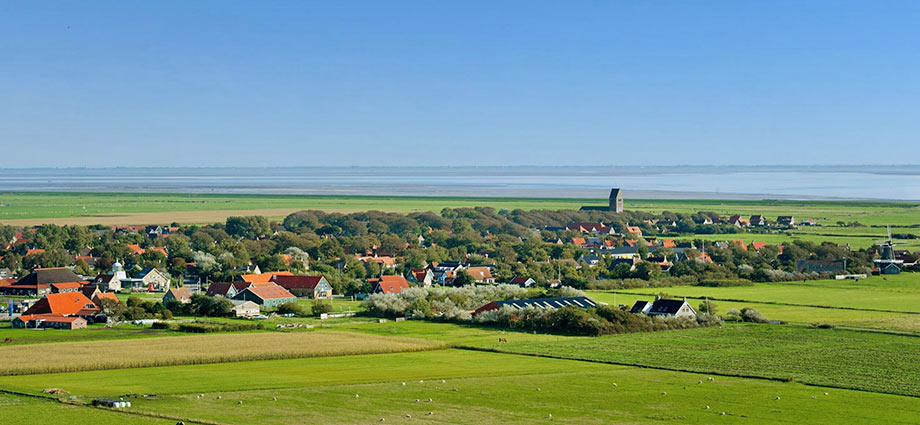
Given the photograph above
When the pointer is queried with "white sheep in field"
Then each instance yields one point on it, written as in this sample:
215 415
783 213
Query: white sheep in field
239 402
356 396
430 413
408 415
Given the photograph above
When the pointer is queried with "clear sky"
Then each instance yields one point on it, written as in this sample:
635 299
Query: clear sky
262 83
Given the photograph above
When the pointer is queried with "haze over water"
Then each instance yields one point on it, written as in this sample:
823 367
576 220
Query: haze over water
741 182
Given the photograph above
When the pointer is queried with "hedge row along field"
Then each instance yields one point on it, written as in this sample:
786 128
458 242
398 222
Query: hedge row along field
830 357
179 350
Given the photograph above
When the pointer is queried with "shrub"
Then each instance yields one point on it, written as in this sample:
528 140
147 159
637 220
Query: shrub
291 308
751 315
723 283
320 307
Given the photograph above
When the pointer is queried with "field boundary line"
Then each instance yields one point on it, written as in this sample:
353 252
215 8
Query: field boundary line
698 372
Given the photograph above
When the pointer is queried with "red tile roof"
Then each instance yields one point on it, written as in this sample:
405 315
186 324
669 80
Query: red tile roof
758 245
105 296
390 284
135 248
67 303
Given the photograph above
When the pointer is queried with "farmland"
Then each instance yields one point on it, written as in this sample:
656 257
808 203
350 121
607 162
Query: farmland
899 293
464 387
134 353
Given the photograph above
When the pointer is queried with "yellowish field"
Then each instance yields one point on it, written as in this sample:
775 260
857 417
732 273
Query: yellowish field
197 349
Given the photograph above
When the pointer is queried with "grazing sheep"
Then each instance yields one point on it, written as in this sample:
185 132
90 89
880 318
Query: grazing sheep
274 398
239 402
777 398
382 419
416 400
813 397
710 378
356 396
707 407
430 413
699 382
614 384
421 381
721 413
664 393
443 381
825 393
408 415
538 389
550 416
404 384
429 400
180 423
218 397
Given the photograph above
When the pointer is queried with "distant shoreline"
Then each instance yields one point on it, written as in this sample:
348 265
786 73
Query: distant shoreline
894 183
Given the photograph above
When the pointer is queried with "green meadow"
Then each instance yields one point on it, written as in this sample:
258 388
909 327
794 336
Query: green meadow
897 293
464 387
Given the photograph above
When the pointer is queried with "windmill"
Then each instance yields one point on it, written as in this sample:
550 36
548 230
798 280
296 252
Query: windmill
888 263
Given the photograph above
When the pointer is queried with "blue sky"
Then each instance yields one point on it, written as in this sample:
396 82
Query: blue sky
180 83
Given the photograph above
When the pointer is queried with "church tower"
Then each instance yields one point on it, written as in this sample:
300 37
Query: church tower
616 200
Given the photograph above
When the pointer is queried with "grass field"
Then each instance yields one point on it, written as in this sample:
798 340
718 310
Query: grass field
25 208
33 411
134 353
477 387
875 320
891 293
838 358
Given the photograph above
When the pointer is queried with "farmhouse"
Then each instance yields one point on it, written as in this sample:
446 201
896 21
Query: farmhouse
262 277
151 279
545 303
389 284
62 287
524 282
48 321
39 282
267 295
641 307
66 304
758 220
423 277
305 286
177 294
227 289
481 274
97 298
244 308
785 220
671 308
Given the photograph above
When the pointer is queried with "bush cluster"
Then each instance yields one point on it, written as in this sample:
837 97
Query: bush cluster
208 327
604 320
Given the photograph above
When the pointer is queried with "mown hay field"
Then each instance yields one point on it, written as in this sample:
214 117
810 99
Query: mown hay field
467 387
136 353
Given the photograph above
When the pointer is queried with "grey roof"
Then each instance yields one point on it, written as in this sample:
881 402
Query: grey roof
640 306
49 276
625 250
663 306
583 302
